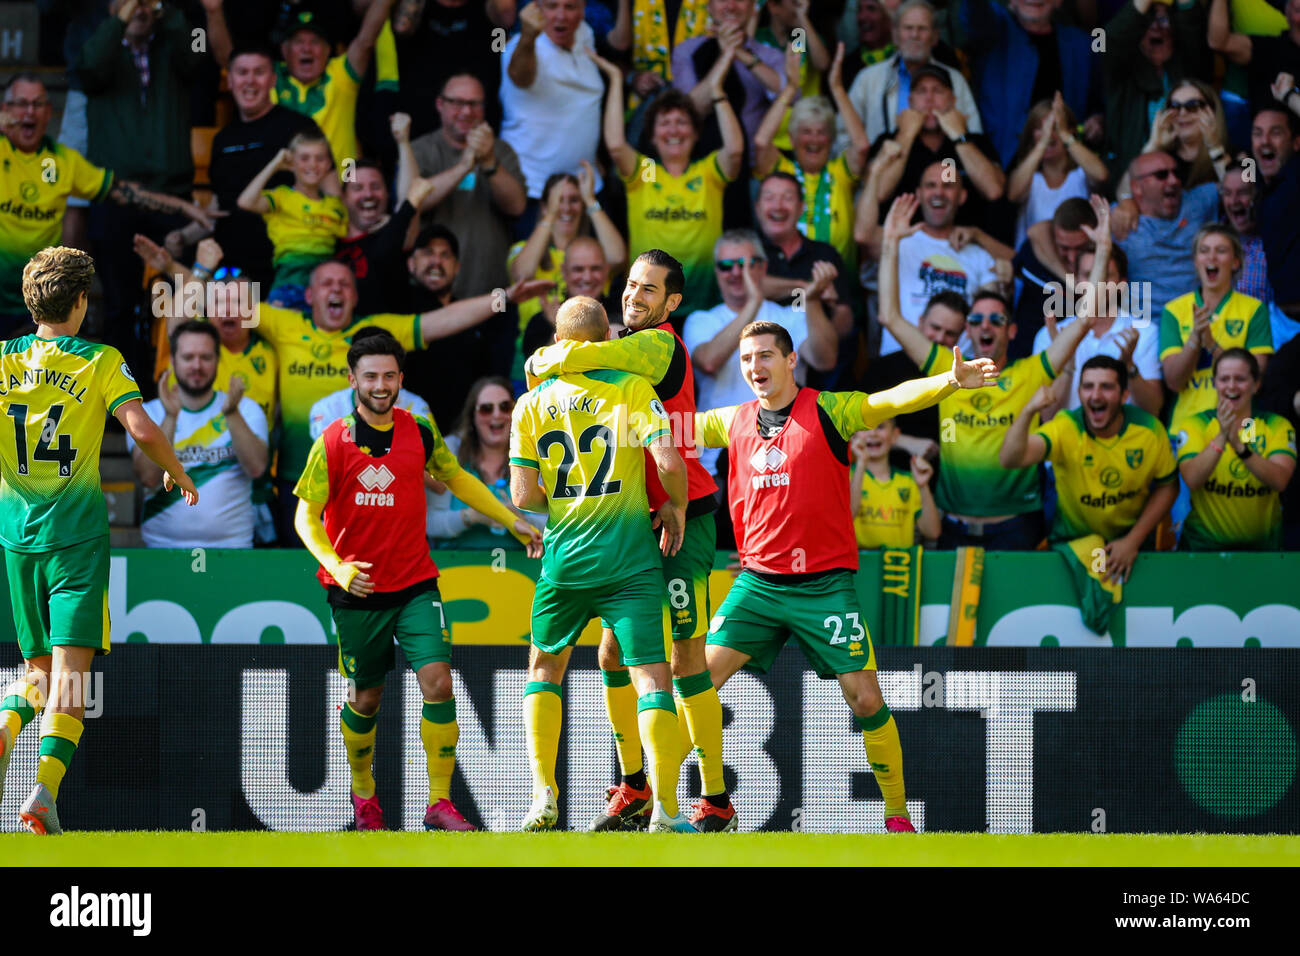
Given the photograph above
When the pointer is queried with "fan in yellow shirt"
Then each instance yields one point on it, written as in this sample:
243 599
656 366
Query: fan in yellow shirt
1114 469
311 82
302 221
1237 461
890 506
675 204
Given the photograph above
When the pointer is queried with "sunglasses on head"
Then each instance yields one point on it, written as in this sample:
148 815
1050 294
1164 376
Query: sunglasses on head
227 272
485 408
998 319
726 265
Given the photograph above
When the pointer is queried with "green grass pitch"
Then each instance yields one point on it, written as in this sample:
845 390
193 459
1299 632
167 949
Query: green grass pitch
638 849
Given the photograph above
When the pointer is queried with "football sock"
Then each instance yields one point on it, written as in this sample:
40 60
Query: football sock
685 746
60 735
704 718
885 751
543 712
620 704
439 733
359 743
658 719
21 702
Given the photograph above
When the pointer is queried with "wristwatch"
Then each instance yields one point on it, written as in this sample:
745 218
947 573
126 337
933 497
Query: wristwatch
1245 452
958 140
490 172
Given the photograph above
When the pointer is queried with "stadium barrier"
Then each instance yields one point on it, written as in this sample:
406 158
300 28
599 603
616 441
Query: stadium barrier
213 596
1006 740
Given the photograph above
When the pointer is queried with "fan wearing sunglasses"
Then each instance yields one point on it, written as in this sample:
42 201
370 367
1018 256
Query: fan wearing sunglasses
481 443
1156 240
984 504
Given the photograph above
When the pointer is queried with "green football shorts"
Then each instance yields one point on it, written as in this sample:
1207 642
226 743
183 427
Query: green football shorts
686 576
758 617
366 652
60 597
633 607
686 580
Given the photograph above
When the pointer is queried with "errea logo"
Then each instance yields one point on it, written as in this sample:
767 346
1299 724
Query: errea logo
373 478
767 459
375 481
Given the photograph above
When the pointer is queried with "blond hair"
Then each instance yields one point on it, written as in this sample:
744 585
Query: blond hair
581 319
53 281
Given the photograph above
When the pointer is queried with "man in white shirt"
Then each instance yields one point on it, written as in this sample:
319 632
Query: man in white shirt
1117 333
220 438
928 263
713 335
551 92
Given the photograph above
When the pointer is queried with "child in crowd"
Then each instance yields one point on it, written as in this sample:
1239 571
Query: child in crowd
302 220
886 502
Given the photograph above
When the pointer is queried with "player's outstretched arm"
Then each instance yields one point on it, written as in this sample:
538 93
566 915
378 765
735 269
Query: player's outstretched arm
648 353
478 496
1019 448
671 516
921 393
713 428
150 440
350 575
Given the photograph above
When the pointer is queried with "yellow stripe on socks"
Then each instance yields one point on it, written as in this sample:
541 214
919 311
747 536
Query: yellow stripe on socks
439 733
543 715
885 751
359 744
658 720
60 735
620 704
703 712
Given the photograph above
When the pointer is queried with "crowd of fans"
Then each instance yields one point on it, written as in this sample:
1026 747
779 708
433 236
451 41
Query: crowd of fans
1103 196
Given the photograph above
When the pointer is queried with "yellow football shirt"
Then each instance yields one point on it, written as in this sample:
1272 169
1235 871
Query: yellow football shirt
302 230
681 215
827 205
1102 484
1238 321
34 191
887 514
972 426
585 434
1234 509
312 363
331 101
55 395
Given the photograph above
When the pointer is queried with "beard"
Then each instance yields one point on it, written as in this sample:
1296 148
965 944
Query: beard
193 391
378 407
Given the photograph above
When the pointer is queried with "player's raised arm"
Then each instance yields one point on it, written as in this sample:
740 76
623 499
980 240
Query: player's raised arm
649 354
1019 448
149 438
